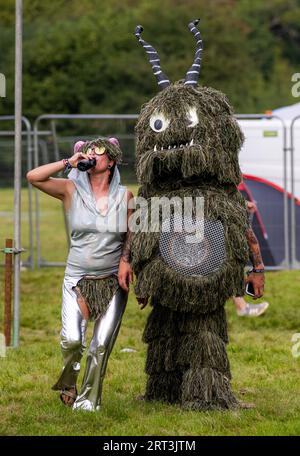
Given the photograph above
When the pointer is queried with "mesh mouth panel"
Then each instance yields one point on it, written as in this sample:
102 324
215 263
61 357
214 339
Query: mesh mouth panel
198 258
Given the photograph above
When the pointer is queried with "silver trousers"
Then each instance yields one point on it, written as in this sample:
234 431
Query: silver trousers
73 343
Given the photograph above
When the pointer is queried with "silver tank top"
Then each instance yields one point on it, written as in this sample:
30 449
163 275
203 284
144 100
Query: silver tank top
96 239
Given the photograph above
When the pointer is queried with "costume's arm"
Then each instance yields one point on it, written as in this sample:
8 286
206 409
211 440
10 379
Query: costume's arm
126 256
255 255
126 253
125 274
257 278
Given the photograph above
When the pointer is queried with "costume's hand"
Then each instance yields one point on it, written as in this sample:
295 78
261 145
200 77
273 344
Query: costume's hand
258 282
125 274
142 302
251 207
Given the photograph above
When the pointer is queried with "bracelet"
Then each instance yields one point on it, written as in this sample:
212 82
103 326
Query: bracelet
256 271
67 164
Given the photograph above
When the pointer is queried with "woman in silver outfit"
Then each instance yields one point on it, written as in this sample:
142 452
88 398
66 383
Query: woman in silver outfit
98 273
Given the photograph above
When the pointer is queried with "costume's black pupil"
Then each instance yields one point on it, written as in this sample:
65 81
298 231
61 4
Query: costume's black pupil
158 124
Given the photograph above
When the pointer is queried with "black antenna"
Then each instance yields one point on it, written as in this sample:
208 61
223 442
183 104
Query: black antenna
192 76
161 78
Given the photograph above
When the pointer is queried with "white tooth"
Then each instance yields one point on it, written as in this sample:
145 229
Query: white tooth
187 144
162 148
174 147
155 148
192 142
181 145
169 147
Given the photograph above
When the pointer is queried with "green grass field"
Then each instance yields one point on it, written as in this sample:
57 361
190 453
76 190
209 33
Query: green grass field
263 368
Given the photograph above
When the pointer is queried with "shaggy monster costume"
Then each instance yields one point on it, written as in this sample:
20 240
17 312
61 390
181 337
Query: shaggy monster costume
187 146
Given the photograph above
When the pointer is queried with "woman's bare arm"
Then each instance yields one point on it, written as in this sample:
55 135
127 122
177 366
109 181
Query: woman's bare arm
40 177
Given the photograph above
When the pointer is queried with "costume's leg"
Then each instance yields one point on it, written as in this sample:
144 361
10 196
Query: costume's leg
72 339
105 333
202 355
161 334
187 360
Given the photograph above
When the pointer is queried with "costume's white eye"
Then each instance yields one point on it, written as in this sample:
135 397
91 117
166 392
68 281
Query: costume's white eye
158 122
192 117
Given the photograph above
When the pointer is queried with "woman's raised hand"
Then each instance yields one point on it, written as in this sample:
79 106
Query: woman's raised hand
76 158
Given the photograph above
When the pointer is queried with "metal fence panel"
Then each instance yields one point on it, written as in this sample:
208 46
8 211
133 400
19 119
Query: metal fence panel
7 180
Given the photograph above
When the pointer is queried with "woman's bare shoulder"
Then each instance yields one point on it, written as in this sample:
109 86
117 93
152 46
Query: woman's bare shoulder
70 185
70 188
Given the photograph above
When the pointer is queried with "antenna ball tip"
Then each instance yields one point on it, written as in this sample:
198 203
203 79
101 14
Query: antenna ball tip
138 29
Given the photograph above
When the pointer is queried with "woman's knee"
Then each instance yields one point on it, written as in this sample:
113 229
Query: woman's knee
98 349
69 343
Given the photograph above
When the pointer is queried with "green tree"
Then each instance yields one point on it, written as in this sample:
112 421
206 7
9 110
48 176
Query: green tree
81 56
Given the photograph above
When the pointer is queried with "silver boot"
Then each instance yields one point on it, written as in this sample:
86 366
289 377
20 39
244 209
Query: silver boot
105 333
72 339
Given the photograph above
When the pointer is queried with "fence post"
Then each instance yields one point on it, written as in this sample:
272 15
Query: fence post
8 289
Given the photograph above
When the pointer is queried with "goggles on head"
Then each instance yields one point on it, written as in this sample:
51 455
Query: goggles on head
97 150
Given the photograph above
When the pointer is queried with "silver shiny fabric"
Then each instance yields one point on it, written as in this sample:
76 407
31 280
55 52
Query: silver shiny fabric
105 333
73 344
96 238
72 337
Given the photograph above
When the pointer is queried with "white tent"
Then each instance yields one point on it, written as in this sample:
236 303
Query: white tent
262 153
288 112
